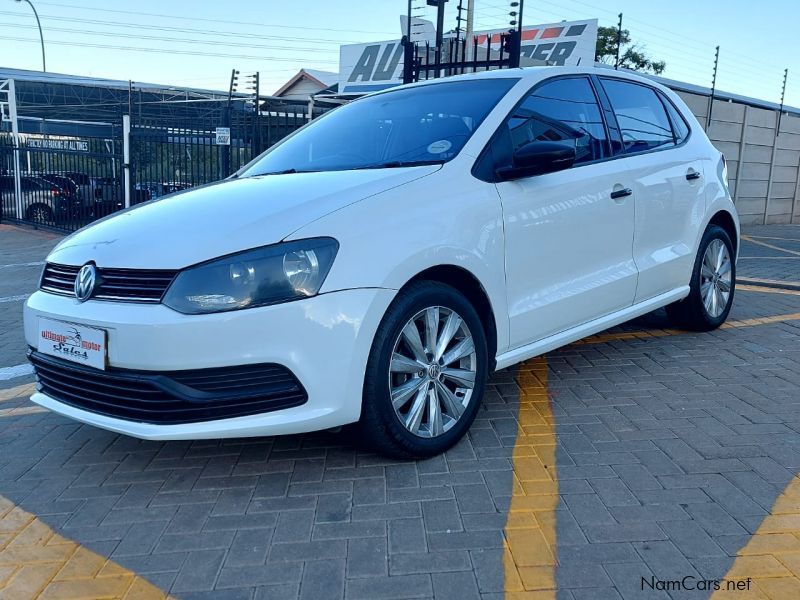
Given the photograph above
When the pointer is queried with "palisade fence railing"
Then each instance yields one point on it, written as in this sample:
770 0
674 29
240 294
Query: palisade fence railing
70 174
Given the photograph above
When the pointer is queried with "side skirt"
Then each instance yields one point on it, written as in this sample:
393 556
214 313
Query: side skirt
586 329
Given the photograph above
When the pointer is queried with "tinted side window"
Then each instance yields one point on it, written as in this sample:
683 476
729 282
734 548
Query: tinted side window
679 126
561 110
640 114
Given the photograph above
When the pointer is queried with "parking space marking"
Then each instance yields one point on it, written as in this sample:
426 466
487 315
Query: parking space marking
766 237
771 558
529 559
7 373
14 298
656 333
36 562
747 238
768 290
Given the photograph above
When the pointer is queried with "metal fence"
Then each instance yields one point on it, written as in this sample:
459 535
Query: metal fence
67 179
63 183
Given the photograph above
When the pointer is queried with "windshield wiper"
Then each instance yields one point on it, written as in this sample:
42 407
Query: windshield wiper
395 164
284 172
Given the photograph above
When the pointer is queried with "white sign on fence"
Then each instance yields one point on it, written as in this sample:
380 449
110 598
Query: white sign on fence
379 65
223 136
69 145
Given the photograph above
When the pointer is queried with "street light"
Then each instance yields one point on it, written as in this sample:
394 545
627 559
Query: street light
41 36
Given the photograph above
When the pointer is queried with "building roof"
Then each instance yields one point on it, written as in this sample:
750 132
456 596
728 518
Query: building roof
66 79
324 79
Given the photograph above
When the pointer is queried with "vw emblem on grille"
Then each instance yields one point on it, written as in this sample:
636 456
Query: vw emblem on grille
84 282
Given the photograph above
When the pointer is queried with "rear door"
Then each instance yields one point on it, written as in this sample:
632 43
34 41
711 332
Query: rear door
667 178
568 241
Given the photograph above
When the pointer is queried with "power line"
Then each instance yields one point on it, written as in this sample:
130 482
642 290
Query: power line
207 20
167 39
178 29
170 51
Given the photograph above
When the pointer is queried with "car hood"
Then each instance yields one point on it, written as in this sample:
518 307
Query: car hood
218 219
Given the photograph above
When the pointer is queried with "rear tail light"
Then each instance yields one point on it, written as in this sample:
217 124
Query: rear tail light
724 168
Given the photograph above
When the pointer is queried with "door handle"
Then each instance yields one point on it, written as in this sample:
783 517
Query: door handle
692 176
621 193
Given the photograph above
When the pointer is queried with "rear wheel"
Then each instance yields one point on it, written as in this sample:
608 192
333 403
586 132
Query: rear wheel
426 373
40 213
712 286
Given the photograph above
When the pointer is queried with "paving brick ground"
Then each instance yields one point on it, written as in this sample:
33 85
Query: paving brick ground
771 252
668 452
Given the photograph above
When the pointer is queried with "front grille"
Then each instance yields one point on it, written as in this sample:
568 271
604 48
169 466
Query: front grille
169 398
125 285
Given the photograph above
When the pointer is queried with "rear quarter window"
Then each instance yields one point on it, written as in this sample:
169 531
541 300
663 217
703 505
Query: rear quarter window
640 114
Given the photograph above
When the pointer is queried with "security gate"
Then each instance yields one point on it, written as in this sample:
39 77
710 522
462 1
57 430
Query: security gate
60 181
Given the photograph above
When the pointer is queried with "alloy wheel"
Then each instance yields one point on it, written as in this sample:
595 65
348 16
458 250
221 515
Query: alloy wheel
716 278
432 371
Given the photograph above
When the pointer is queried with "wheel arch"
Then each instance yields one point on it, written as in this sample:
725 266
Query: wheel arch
470 286
722 218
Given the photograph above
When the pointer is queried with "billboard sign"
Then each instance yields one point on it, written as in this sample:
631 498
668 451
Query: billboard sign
379 65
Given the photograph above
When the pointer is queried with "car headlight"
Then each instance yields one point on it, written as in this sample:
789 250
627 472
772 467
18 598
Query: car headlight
268 275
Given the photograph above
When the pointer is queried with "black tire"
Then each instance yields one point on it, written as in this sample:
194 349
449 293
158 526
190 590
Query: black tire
691 313
40 213
380 427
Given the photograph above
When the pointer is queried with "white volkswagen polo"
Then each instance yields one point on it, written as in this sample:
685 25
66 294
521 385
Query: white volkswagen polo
374 267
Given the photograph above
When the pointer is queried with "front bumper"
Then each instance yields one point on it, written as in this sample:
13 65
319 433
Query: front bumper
325 341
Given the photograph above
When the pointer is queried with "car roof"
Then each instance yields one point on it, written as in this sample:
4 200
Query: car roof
534 74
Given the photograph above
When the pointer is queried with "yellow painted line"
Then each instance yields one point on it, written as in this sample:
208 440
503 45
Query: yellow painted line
766 237
771 558
741 287
37 563
529 558
751 284
767 245
601 338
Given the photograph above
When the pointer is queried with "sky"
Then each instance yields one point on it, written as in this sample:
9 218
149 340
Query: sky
197 43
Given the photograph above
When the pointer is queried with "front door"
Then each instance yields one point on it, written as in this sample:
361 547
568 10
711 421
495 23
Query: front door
569 234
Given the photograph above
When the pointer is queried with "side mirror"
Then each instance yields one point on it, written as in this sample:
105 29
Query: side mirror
538 158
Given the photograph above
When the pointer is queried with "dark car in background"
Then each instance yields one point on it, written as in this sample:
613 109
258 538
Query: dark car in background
43 201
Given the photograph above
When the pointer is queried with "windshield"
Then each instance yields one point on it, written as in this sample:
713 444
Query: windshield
410 126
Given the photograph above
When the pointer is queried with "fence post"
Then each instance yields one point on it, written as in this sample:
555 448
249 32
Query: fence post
226 150
126 157
796 194
15 146
772 166
408 59
740 164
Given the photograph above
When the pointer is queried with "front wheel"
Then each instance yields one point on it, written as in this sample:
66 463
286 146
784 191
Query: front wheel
426 373
712 286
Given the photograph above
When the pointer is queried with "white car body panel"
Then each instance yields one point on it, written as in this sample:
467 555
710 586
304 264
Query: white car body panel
256 211
557 258
566 234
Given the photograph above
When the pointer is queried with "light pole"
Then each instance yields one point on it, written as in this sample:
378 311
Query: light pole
41 36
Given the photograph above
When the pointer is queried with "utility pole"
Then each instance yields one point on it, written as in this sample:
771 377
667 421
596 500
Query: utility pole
41 36
713 89
619 41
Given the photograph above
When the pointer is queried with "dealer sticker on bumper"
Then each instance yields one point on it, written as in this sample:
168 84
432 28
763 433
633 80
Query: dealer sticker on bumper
70 341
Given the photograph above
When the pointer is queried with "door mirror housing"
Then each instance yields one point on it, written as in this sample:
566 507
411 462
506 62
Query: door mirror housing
538 158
